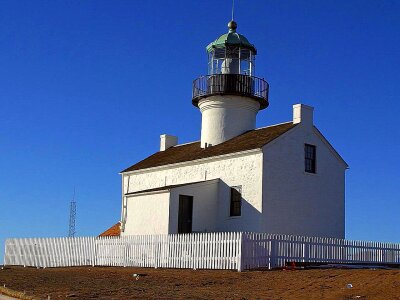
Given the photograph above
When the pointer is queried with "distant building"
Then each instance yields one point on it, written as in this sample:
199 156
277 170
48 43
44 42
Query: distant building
114 230
285 178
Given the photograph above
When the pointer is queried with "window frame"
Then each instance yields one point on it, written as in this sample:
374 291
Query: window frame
310 159
235 204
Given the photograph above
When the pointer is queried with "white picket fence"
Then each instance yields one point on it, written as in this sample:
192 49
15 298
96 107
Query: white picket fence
224 250
195 251
273 250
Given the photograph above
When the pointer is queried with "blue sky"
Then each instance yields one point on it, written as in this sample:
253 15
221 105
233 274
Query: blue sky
87 87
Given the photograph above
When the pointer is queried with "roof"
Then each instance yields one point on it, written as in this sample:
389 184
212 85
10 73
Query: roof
231 38
253 139
168 187
114 230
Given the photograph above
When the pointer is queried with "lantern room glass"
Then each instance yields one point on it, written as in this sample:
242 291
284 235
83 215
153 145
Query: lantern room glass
231 60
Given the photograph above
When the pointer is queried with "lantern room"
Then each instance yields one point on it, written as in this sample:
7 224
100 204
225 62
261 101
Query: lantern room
231 53
231 70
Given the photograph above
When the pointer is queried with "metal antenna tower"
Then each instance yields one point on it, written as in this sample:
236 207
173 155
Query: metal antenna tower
72 217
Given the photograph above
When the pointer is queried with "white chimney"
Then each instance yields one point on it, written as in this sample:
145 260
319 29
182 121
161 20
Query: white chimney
167 141
303 114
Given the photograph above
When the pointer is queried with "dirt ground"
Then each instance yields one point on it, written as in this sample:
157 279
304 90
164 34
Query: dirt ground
119 283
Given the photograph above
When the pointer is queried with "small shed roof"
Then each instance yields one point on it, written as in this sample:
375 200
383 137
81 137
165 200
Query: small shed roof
114 230
169 187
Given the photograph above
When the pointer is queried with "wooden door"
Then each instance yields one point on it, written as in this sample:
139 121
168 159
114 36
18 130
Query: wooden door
185 214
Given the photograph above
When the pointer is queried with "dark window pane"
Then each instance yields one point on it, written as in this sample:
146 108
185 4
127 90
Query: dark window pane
236 202
310 158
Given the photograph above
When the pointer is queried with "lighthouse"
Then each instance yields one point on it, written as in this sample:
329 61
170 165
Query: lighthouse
230 95
238 177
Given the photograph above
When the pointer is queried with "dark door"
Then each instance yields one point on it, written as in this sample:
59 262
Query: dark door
185 214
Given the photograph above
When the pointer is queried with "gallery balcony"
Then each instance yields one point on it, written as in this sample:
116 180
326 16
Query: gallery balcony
231 84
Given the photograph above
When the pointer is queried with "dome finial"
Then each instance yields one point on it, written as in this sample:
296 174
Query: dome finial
232 25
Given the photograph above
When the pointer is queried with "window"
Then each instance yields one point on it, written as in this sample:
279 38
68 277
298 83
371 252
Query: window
236 201
310 158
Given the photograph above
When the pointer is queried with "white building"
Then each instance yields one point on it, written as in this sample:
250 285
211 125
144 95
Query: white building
284 178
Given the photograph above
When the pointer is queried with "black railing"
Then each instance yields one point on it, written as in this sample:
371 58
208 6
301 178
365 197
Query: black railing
231 84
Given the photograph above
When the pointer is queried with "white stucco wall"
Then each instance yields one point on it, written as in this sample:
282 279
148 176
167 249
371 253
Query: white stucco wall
300 203
205 206
237 169
147 213
226 116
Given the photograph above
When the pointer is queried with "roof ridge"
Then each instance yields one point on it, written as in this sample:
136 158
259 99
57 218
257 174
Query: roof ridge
187 143
273 125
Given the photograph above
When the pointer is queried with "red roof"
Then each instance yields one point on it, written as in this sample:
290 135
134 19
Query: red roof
114 230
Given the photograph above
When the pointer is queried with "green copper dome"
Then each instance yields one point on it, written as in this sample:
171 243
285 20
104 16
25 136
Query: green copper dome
232 38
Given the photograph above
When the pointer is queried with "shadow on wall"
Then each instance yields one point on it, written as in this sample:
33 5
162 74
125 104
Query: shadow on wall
250 218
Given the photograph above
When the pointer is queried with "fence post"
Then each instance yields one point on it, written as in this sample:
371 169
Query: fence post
273 251
306 252
94 257
240 253
154 251
6 253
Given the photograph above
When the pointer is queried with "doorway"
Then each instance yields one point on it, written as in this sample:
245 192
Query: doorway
185 214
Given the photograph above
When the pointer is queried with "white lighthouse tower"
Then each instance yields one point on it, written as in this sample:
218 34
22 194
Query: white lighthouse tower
230 96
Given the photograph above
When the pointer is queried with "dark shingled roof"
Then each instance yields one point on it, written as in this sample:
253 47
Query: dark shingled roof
252 139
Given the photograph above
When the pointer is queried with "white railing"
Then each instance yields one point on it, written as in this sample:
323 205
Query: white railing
224 250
